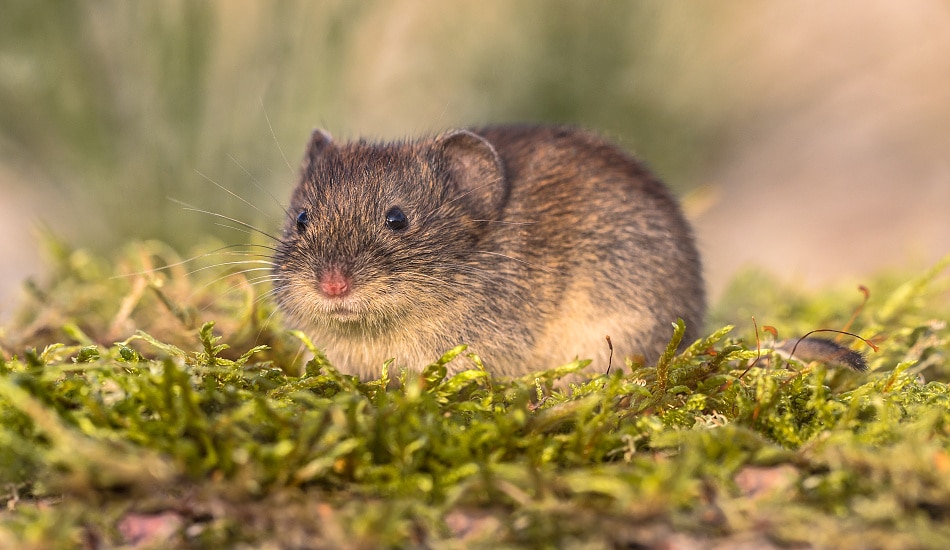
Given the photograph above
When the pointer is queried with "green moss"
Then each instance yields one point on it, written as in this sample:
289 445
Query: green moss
122 403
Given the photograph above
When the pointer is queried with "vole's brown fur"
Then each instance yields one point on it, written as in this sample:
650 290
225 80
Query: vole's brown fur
530 244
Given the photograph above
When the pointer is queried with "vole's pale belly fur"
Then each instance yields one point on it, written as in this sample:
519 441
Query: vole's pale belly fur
530 244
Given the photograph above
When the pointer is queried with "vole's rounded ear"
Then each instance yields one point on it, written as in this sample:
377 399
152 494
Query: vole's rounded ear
319 141
475 169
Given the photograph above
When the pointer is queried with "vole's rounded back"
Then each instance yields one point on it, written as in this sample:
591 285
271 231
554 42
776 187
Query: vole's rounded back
530 244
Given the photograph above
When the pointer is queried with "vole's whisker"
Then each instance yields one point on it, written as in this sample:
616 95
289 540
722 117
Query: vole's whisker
473 270
432 278
463 288
257 184
261 298
242 262
430 213
229 275
483 275
267 322
198 257
238 229
254 245
247 282
230 219
519 260
259 278
274 135
501 222
257 281
473 190
273 290
228 191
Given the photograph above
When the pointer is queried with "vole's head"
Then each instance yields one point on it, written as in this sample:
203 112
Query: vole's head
377 231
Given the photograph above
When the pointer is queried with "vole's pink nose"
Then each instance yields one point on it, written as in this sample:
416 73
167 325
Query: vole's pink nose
334 284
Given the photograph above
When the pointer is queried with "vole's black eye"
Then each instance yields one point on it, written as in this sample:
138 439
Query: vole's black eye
396 220
302 220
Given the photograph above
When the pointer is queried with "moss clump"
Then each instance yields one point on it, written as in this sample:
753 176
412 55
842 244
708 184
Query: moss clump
125 420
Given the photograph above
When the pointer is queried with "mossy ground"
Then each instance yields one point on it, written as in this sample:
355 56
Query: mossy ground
128 418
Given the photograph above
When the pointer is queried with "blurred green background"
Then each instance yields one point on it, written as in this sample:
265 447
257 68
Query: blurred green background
787 126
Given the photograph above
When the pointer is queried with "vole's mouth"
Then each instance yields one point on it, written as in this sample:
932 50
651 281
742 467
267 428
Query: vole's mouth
357 316
342 309
359 309
351 309
344 314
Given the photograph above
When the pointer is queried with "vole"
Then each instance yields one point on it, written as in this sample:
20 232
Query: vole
531 244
